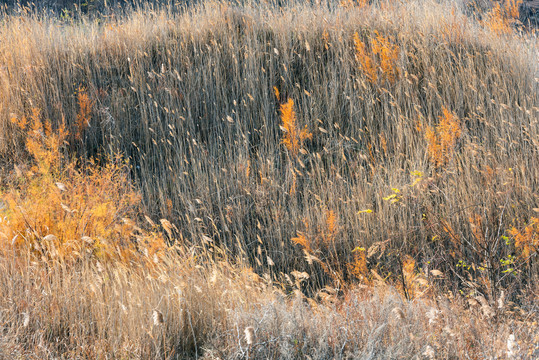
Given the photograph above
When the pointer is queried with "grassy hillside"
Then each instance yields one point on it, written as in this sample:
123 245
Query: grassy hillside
223 180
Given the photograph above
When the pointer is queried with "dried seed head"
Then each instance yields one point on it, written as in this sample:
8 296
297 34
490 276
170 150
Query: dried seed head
429 352
512 347
157 318
87 239
398 313
487 310
26 319
99 267
250 335
501 300
50 237
123 307
61 186
432 314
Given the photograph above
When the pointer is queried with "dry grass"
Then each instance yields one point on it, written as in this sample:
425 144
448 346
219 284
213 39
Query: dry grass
372 157
183 311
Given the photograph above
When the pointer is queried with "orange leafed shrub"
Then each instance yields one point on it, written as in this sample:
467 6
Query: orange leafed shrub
60 213
84 113
501 19
442 139
320 245
413 284
294 136
354 3
511 8
358 268
382 57
388 55
303 241
42 143
476 224
324 236
497 22
331 226
527 240
365 60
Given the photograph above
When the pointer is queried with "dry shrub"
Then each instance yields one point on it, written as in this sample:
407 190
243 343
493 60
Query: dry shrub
359 4
366 64
84 114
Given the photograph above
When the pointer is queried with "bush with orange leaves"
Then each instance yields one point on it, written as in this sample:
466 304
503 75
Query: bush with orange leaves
85 111
322 240
358 267
527 239
294 136
61 212
379 61
502 18
359 4
443 139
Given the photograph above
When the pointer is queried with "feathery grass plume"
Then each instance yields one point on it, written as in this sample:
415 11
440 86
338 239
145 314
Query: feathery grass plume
294 136
249 335
429 352
512 347
398 313
26 319
157 317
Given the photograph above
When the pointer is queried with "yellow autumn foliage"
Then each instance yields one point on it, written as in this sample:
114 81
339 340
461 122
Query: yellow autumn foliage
61 212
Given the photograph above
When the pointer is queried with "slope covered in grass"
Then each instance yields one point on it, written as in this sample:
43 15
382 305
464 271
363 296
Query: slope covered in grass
345 154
